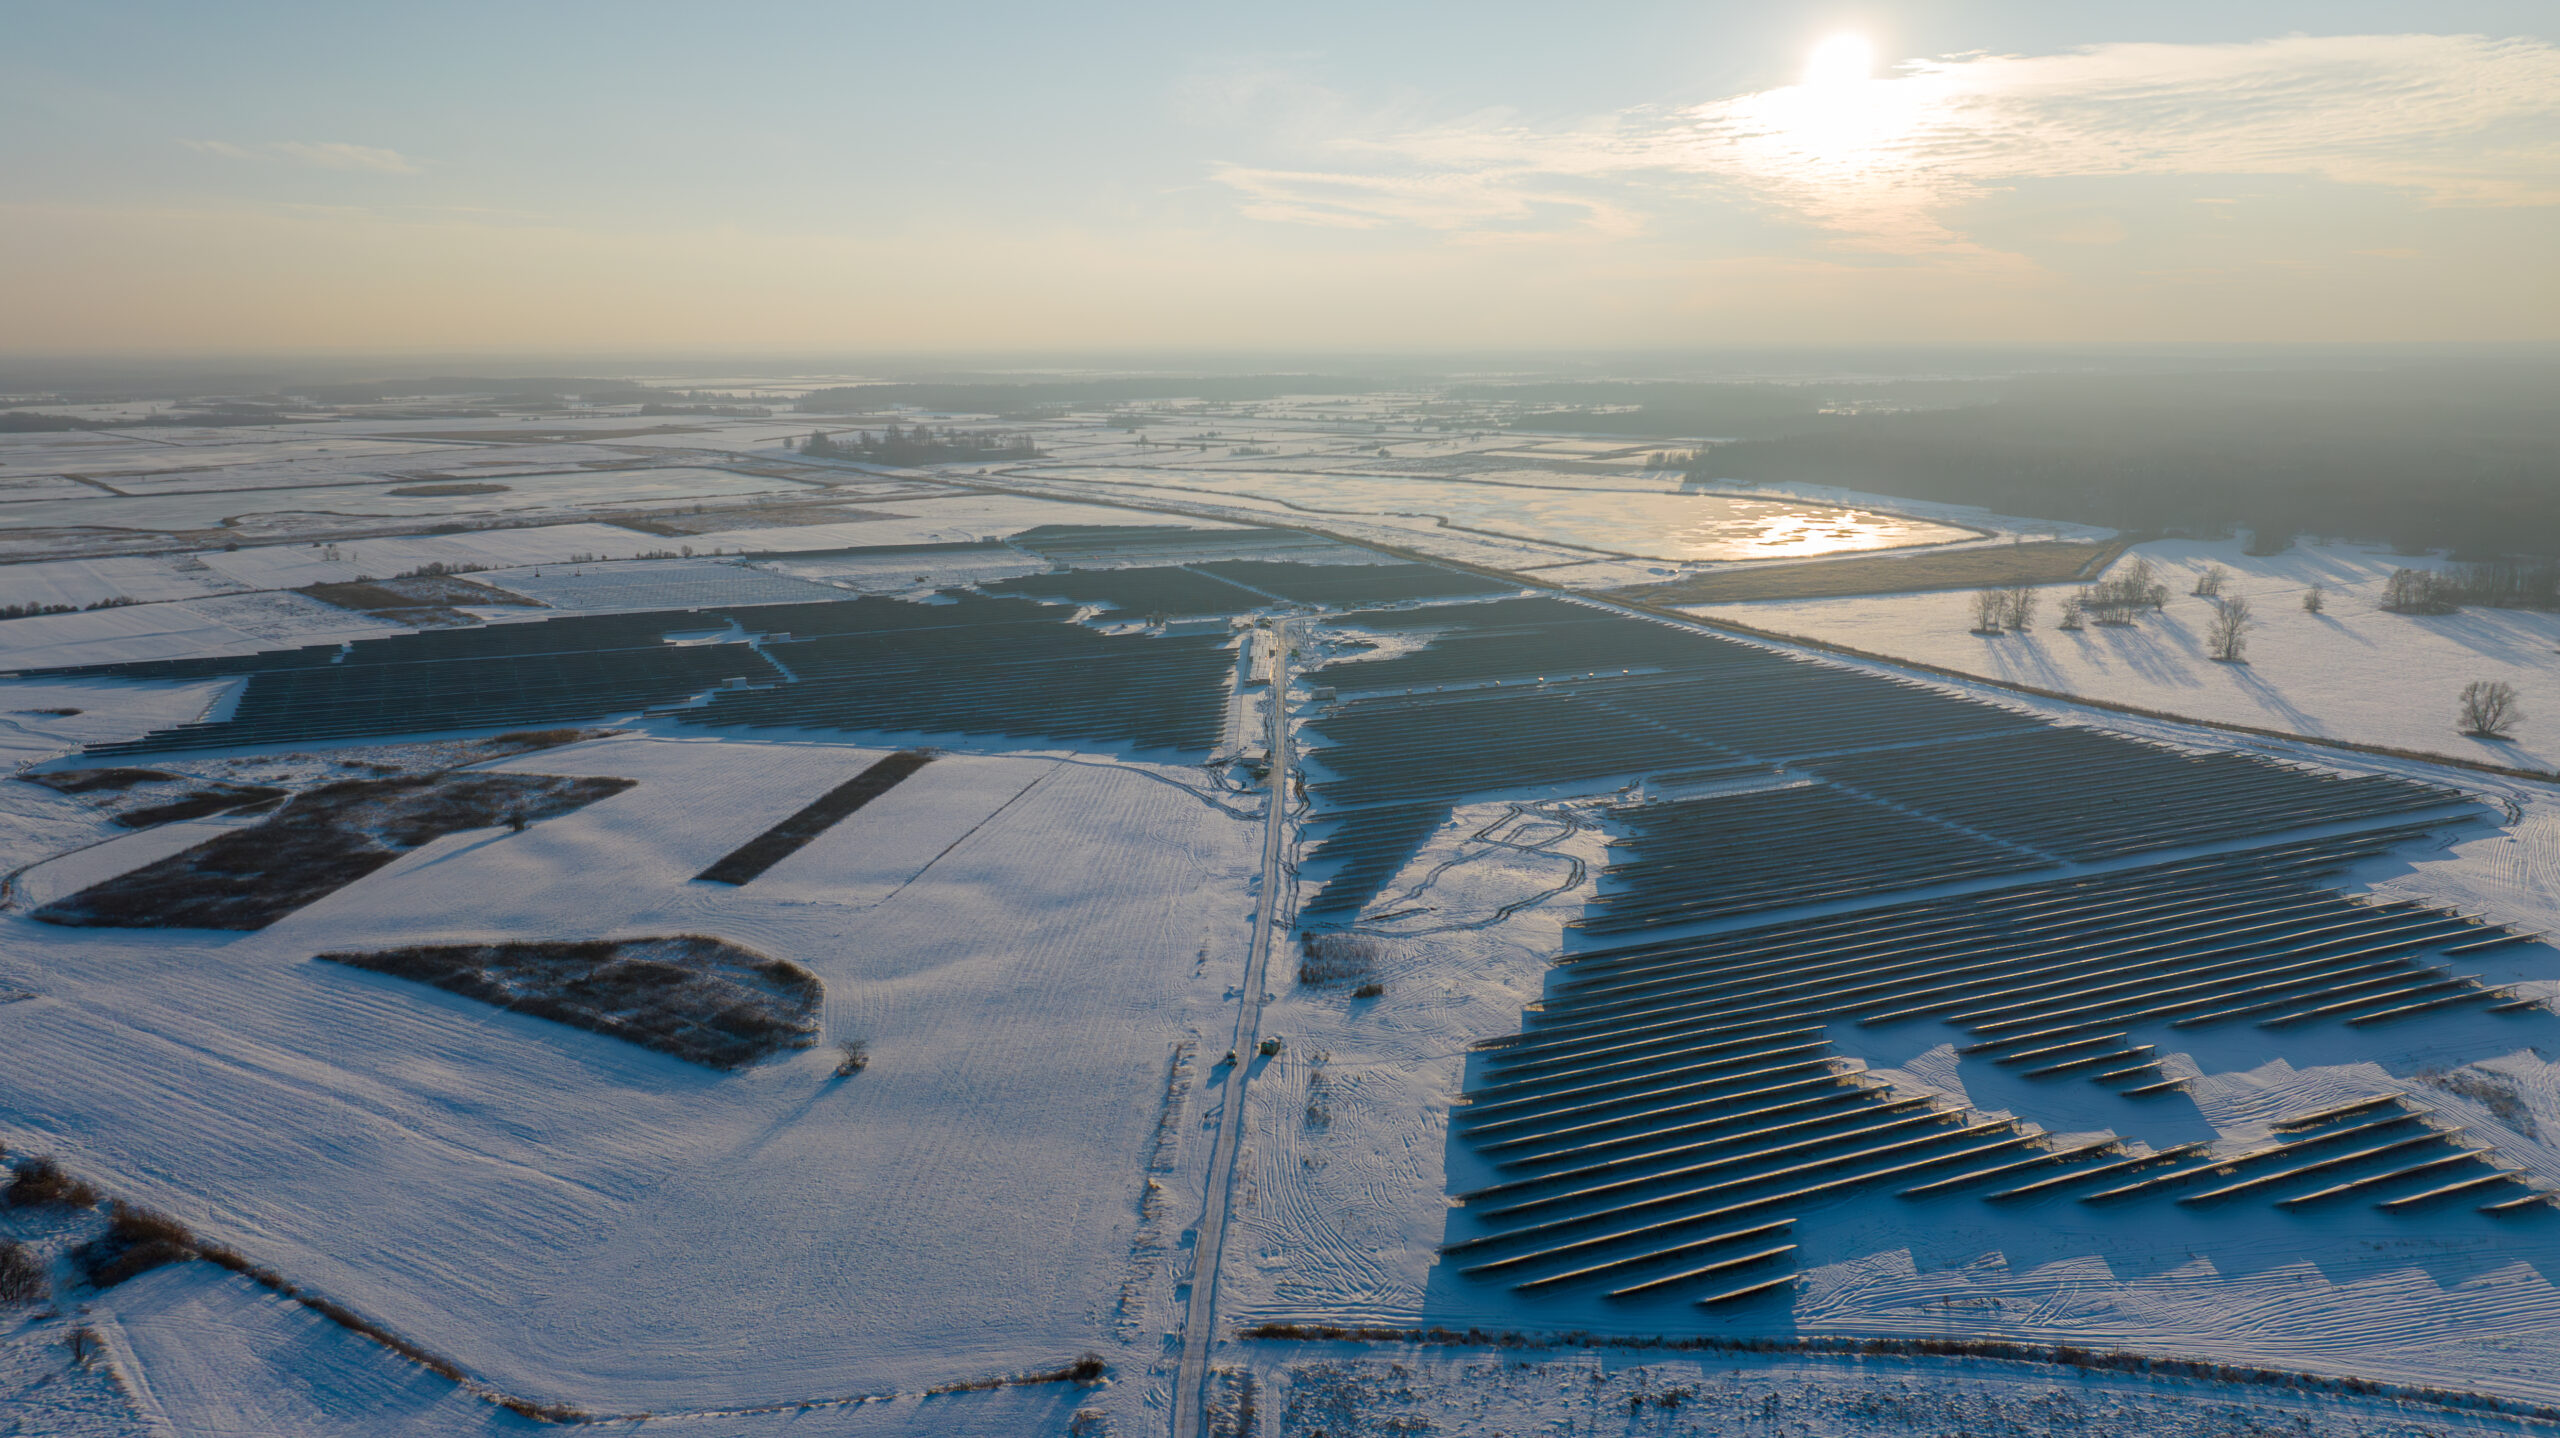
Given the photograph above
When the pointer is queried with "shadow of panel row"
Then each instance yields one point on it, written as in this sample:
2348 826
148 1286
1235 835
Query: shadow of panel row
2046 976
1691 860
1159 590
2083 794
1364 849
1671 1105
2386 1151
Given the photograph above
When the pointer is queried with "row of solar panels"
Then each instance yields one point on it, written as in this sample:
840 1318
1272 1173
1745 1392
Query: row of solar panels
1672 1105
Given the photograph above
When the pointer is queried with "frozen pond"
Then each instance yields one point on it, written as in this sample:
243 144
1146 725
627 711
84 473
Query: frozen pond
1646 521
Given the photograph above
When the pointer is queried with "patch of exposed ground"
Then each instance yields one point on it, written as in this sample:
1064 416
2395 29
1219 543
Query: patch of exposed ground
315 845
700 999
145 798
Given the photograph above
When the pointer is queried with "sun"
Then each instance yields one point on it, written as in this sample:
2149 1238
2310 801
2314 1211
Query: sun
1842 59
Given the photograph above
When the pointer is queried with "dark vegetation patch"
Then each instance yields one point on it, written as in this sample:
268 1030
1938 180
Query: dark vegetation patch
100 781
703 1000
42 1183
319 843
31 611
190 799
441 491
2275 453
2041 562
744 863
714 521
922 444
211 799
22 1278
137 1240
418 599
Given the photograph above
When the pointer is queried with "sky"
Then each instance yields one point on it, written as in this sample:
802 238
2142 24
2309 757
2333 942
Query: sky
271 176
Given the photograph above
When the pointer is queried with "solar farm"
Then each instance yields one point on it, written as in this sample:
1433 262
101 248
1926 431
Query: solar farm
1651 982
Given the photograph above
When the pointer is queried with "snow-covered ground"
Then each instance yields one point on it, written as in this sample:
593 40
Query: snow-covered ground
2353 672
581 1220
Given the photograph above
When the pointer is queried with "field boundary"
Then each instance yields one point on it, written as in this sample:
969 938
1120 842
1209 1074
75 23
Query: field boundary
2062 1355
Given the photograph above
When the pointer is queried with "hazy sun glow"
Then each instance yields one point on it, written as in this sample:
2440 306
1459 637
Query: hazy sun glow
1843 59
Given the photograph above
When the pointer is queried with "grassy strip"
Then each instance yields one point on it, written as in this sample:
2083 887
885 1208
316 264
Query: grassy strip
742 864
1991 565
2092 1360
1087 1370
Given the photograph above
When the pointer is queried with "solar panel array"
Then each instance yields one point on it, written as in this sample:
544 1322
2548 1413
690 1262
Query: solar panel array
1924 786
1713 858
1671 1107
1164 589
1025 678
966 664
1347 584
2084 795
1364 849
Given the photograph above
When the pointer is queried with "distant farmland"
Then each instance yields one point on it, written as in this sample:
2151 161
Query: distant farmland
2043 562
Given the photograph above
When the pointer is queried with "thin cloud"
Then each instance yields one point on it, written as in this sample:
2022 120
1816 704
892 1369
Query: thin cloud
315 154
1882 163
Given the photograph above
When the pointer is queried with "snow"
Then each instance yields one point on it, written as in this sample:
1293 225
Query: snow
642 584
537 1202
232 624
2353 672
139 579
1635 519
290 566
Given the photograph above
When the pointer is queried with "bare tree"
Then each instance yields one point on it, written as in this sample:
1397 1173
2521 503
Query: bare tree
2071 610
2018 607
2209 584
2227 638
2419 591
1990 606
2315 599
2489 708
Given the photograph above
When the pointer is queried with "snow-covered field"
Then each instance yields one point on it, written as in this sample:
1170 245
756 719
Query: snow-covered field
539 1203
1653 520
1041 949
2353 672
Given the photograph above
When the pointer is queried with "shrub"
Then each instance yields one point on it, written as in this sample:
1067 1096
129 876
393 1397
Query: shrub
1272 1046
22 1279
1369 990
2228 635
1333 957
2489 709
137 1240
41 1182
2420 591
1087 1369
852 1057
2315 599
